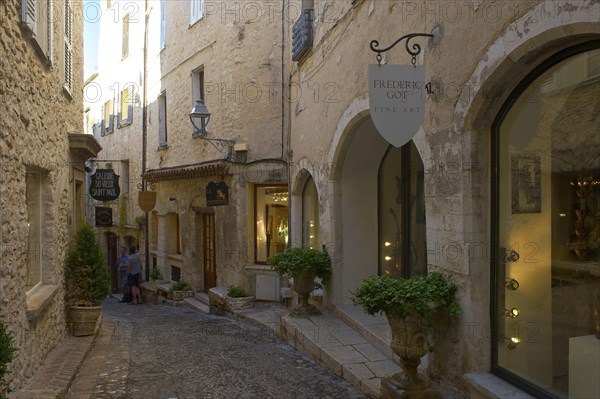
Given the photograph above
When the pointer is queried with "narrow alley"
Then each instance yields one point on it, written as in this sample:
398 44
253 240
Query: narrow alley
162 352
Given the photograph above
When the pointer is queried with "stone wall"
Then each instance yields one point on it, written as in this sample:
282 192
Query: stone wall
36 115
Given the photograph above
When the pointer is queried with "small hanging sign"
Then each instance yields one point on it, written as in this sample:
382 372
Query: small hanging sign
147 200
397 101
104 185
103 216
217 194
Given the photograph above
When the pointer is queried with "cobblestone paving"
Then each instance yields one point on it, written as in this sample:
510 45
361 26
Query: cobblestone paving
161 352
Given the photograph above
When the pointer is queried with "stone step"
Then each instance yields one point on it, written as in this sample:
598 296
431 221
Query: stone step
202 297
197 305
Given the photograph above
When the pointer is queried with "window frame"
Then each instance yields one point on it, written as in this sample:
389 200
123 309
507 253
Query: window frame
317 225
521 87
255 221
39 183
163 121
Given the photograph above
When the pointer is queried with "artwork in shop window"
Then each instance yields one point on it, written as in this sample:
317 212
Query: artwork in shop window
526 184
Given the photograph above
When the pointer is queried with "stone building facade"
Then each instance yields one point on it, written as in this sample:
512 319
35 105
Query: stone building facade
230 56
42 154
490 189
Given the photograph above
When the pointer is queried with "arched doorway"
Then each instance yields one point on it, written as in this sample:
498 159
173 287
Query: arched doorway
382 208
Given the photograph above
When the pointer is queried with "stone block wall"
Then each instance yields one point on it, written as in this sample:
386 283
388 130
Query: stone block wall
36 115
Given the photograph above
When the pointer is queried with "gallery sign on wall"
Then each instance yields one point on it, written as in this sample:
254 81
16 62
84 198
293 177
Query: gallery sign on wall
397 101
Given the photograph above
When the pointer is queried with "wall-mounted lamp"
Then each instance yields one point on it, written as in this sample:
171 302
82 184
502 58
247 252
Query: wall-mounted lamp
511 313
513 342
511 284
200 114
199 118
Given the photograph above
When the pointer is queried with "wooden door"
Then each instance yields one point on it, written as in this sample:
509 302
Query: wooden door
210 267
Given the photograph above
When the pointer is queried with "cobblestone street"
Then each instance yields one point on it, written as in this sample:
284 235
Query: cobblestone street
156 352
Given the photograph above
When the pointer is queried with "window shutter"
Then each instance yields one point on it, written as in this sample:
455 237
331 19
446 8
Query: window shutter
197 10
68 47
28 14
129 113
163 24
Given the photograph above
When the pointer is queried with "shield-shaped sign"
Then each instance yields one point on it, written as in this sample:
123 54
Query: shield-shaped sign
397 101
104 185
147 200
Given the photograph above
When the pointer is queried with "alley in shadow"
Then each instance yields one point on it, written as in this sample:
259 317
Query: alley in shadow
162 352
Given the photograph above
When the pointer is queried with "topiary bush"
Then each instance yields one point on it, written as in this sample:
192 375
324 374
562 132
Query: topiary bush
86 274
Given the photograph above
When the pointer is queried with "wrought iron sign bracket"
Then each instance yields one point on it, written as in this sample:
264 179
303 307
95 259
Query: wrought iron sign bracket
416 48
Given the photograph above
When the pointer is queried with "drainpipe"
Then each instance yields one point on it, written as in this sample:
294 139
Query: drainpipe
145 133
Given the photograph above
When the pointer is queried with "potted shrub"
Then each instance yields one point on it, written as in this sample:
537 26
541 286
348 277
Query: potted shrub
238 299
180 290
7 353
303 265
413 306
87 281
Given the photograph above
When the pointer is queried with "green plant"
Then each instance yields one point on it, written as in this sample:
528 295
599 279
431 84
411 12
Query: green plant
236 292
122 213
155 274
86 275
421 296
7 353
295 260
180 286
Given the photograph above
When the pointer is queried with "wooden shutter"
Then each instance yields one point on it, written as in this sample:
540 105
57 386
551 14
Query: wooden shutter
28 14
68 46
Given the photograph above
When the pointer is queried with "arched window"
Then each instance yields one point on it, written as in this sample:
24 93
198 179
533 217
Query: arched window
546 229
402 243
310 215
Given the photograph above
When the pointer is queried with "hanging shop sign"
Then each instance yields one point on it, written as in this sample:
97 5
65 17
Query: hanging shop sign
217 194
397 101
104 185
147 200
103 216
397 94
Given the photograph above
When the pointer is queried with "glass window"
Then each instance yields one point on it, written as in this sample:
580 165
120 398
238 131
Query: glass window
310 215
547 268
402 241
271 221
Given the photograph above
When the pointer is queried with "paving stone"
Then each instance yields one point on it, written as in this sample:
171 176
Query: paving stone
383 368
166 352
370 352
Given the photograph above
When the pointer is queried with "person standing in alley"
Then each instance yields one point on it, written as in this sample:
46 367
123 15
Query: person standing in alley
122 267
134 271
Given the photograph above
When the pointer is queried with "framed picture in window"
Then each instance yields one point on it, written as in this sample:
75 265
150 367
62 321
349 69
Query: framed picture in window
526 184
